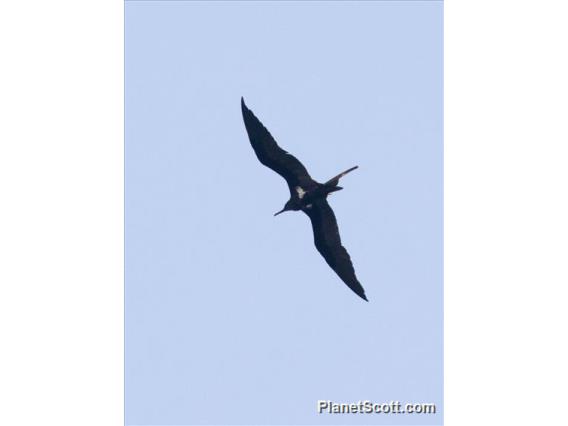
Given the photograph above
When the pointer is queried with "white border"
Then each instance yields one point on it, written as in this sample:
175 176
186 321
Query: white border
61 220
506 212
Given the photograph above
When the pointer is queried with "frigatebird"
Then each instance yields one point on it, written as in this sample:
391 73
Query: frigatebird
306 195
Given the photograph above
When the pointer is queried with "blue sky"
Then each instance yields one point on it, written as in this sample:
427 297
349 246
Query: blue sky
232 316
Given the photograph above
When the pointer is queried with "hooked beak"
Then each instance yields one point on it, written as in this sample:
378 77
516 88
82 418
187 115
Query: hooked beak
281 211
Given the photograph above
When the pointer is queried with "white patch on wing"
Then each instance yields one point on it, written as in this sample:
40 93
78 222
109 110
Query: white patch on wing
309 206
300 192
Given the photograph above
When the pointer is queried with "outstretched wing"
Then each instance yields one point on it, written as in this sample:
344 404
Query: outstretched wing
328 243
272 156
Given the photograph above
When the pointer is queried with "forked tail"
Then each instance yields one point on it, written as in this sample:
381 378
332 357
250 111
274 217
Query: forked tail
334 181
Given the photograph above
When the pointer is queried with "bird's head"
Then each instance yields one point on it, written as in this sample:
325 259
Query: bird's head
290 205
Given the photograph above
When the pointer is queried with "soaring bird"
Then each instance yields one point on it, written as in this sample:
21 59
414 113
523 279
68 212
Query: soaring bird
306 195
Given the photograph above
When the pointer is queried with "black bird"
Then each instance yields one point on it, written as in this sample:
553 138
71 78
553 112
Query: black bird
307 195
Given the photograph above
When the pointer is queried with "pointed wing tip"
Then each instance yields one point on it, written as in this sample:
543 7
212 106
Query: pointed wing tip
244 108
364 297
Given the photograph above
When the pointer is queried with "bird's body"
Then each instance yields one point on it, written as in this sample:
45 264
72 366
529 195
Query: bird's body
303 198
306 195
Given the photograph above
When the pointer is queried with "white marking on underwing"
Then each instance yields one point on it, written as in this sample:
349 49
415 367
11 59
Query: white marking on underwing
300 192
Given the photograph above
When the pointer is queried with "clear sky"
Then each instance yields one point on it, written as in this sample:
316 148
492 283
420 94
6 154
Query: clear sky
232 316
